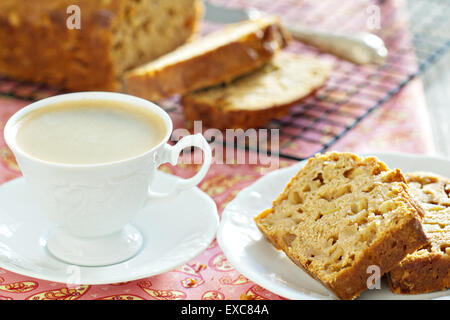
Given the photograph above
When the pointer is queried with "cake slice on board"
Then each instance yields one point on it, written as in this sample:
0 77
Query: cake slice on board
341 217
251 101
427 269
215 58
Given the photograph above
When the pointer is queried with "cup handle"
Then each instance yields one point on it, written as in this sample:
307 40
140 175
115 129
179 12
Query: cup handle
170 154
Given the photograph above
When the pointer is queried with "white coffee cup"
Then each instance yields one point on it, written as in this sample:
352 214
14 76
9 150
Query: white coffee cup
92 204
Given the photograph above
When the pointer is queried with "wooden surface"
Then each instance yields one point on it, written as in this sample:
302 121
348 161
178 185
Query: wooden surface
436 82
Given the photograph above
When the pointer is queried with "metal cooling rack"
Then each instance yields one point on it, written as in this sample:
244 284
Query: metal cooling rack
352 92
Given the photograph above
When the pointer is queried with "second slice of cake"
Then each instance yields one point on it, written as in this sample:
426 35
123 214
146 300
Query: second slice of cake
342 217
427 269
251 101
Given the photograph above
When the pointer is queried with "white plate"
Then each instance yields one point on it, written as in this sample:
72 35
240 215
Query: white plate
253 256
174 230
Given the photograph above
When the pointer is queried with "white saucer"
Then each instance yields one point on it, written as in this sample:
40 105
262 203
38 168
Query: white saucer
174 231
254 257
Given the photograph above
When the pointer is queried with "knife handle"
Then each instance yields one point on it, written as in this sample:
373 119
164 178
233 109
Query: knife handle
360 48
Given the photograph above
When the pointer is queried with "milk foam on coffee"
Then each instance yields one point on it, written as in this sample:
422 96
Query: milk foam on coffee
89 132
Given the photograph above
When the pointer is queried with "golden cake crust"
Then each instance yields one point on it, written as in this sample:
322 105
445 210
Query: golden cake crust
36 44
427 269
211 66
252 100
341 214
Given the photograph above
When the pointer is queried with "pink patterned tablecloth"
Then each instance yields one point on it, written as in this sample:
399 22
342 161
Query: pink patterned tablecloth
401 124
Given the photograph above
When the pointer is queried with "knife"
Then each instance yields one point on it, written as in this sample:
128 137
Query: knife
360 48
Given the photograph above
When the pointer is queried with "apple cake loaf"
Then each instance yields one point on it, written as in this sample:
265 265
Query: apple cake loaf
427 269
252 100
41 41
340 215
209 60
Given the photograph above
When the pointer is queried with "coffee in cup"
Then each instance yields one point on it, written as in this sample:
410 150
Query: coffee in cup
89 131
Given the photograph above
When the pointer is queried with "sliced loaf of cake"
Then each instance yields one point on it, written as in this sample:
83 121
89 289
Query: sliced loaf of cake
253 100
341 218
427 269
88 44
217 57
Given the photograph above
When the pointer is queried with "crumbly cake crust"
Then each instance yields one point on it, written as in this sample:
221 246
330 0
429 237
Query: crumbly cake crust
341 214
427 269
36 44
252 100
227 60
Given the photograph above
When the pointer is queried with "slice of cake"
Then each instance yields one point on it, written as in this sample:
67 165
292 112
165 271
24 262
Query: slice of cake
427 269
209 60
341 217
253 100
